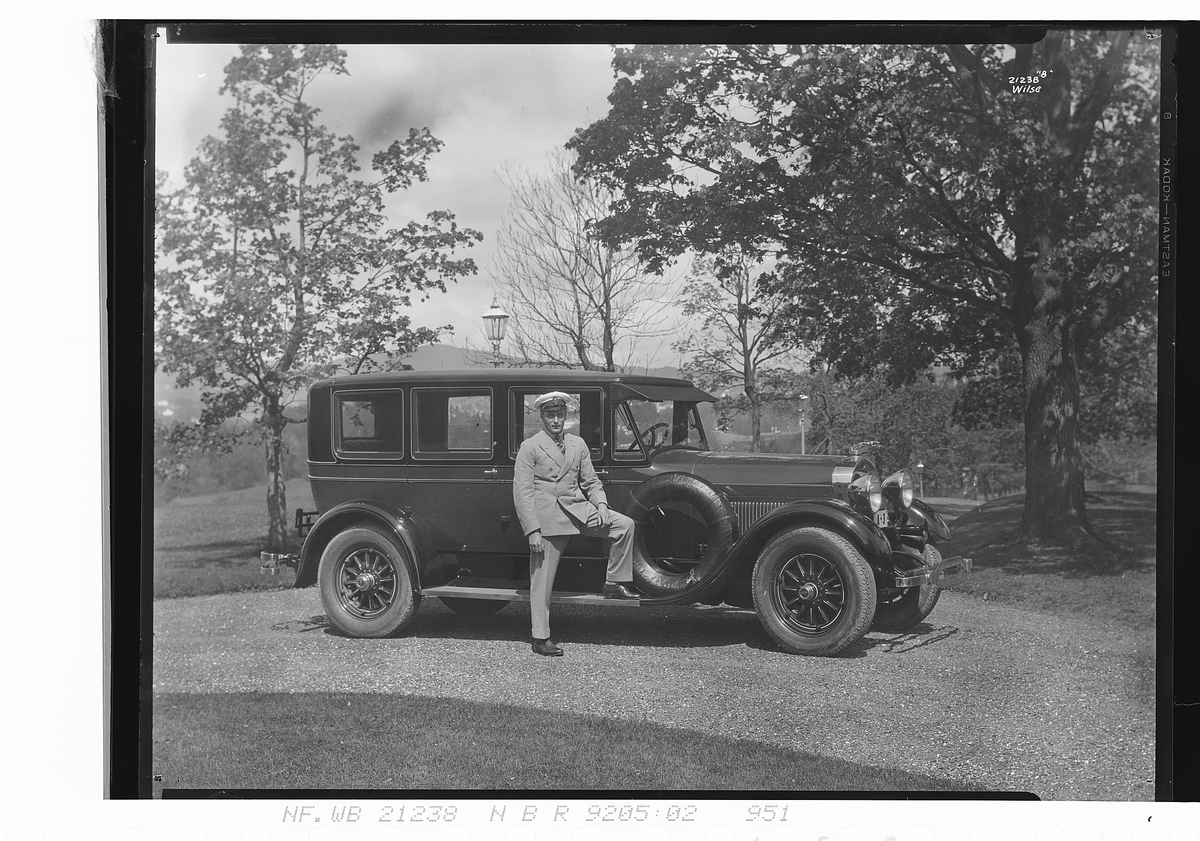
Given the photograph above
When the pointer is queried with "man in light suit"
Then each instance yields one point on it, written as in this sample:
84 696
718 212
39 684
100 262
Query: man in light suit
558 494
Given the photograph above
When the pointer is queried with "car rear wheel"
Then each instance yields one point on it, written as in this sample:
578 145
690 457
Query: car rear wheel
905 610
813 591
366 586
474 607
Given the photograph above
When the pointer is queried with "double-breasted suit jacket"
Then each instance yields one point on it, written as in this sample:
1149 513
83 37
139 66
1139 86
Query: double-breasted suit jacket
548 486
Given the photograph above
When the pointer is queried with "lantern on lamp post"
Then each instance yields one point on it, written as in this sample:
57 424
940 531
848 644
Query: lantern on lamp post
495 322
921 478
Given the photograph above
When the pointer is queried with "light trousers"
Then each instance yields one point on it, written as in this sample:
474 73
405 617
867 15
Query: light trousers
544 565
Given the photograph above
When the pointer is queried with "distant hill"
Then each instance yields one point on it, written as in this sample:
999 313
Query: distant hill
432 357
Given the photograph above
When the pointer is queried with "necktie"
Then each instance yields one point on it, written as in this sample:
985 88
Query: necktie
562 447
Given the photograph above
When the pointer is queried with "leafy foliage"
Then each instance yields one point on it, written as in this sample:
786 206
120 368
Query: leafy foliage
921 206
276 264
734 343
1120 381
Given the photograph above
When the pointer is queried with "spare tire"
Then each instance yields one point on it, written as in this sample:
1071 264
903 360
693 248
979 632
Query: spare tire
685 528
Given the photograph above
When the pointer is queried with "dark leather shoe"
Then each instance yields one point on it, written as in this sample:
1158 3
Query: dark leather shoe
620 591
546 647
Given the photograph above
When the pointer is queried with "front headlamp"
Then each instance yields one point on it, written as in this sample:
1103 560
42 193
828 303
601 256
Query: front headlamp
867 492
899 488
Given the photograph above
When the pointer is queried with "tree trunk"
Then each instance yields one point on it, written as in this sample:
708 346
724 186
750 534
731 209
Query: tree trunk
277 510
755 420
610 341
1054 504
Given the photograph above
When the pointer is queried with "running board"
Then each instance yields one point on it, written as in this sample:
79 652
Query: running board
507 595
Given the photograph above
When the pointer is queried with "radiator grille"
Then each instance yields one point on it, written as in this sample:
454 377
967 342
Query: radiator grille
748 513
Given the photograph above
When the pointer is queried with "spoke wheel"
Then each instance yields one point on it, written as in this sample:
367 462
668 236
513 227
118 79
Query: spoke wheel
813 591
366 584
809 593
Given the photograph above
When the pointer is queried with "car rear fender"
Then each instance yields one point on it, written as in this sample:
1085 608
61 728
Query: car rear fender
341 517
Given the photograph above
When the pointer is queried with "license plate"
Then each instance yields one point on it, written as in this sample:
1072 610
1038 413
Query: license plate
882 519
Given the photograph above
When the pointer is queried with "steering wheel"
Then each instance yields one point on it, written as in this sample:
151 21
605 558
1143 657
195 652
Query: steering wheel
650 439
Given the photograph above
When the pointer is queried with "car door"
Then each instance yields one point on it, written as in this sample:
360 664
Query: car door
455 493
585 419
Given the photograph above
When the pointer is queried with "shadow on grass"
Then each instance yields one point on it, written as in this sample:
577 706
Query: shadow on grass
227 554
1110 577
221 567
209 544
386 741
1124 526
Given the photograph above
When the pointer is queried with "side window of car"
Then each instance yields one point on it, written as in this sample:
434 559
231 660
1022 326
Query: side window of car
584 419
625 440
452 423
370 424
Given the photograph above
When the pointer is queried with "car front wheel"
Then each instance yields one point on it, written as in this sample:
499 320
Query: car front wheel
905 610
813 591
366 586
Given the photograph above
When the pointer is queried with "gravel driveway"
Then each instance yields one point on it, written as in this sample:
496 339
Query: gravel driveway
982 692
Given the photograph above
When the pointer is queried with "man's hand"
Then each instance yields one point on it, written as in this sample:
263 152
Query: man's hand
535 542
606 517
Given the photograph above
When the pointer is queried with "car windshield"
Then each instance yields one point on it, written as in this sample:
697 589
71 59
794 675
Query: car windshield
645 426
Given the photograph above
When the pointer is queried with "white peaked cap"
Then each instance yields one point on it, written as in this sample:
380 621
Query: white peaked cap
550 398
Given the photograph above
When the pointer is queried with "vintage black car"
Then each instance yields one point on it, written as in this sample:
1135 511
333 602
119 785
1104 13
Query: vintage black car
412 476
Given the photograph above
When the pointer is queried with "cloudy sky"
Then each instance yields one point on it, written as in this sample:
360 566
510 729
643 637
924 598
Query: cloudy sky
493 105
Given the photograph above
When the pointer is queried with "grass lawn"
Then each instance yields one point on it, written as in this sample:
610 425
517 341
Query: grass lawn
1113 578
356 741
209 544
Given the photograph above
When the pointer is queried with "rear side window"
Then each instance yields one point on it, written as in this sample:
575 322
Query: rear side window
370 424
452 423
584 417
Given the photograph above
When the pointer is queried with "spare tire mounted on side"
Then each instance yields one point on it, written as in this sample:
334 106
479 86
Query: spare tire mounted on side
685 529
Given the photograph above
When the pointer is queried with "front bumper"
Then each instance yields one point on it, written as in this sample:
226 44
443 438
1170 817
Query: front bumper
945 570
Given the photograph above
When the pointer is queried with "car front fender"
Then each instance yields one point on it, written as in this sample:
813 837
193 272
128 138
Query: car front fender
923 511
832 514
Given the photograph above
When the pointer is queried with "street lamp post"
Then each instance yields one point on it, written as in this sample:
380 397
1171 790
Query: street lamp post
921 478
496 323
803 397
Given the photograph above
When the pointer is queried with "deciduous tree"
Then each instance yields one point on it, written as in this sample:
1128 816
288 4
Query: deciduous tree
1006 187
276 263
574 300
732 341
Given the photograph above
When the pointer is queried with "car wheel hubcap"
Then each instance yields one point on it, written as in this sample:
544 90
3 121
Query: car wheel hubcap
808 593
367 583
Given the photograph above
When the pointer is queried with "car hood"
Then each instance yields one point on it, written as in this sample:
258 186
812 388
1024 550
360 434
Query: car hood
753 468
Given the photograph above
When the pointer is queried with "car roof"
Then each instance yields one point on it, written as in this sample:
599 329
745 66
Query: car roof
542 377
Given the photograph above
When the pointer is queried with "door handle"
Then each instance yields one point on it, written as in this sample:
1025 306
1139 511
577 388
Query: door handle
491 471
601 472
